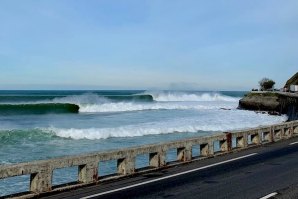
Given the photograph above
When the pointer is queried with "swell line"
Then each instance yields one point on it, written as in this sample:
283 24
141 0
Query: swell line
42 108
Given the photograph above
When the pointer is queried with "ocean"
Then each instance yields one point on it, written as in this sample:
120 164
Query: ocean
37 125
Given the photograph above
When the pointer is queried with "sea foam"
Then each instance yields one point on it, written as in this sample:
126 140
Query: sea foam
236 119
163 101
185 96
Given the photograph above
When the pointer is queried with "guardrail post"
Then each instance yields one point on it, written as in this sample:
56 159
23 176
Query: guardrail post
204 149
283 133
226 145
211 147
272 131
242 141
223 145
295 129
277 134
287 132
88 173
291 130
268 136
41 181
184 153
207 149
126 165
255 138
157 159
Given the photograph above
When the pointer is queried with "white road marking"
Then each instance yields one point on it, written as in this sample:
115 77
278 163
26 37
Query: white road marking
293 143
269 195
167 177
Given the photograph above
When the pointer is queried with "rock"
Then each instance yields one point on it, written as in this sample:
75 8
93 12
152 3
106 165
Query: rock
261 101
274 103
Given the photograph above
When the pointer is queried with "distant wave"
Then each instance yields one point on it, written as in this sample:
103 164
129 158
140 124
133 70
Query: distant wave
91 98
92 103
130 106
42 108
170 96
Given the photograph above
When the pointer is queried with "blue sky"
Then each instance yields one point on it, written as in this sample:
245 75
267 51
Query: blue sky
154 44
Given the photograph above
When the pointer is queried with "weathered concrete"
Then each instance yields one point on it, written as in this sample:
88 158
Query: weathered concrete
41 171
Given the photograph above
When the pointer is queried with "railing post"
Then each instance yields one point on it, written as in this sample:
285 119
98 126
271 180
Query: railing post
223 145
88 173
184 153
295 129
211 147
241 141
272 131
255 138
226 144
126 165
291 130
277 134
207 149
41 181
157 159
283 133
268 136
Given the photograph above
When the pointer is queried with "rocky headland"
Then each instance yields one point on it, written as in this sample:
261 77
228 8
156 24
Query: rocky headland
272 102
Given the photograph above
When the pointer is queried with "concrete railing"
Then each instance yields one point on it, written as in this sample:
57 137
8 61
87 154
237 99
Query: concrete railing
41 172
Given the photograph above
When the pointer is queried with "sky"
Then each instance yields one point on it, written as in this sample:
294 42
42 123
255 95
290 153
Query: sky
147 44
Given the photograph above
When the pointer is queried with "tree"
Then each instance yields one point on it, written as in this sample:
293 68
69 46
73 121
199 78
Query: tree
266 84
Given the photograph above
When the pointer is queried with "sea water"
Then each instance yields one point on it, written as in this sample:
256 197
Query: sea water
37 125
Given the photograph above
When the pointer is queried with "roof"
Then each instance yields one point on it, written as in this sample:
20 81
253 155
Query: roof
292 81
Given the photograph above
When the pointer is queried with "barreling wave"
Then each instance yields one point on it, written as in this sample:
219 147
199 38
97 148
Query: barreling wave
42 108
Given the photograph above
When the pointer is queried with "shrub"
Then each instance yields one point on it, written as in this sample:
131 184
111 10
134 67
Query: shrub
266 84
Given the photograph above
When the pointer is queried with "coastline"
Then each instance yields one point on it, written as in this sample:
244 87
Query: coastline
275 103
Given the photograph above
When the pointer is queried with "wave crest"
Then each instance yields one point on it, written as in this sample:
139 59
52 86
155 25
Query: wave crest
129 106
184 96
173 126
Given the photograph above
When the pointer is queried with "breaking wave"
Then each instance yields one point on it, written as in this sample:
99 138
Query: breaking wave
92 103
184 96
173 126
128 106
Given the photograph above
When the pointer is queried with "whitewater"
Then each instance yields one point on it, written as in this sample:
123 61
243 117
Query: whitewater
37 125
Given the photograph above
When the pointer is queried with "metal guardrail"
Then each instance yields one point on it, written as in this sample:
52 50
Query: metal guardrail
41 172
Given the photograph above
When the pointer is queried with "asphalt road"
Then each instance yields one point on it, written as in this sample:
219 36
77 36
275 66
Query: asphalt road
253 173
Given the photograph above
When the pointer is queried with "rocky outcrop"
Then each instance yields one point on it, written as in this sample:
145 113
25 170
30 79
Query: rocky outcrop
273 102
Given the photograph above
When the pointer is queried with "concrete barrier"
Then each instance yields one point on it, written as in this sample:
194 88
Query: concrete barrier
41 172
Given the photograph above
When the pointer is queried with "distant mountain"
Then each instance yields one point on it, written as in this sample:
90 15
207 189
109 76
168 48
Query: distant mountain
292 81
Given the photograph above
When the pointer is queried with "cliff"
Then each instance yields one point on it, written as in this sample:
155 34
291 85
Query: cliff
273 102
